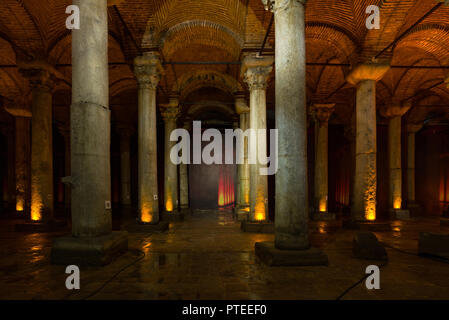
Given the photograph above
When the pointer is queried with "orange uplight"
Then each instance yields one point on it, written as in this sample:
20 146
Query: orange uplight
260 216
226 192
146 216
36 204
370 211
397 203
20 204
169 205
323 205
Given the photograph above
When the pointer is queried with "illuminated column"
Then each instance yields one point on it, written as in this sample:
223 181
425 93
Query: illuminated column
148 70
22 156
322 114
41 82
364 76
412 129
394 114
125 133
184 176
243 169
170 113
65 132
256 72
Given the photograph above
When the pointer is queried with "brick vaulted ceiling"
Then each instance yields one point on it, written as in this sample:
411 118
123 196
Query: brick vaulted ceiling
223 30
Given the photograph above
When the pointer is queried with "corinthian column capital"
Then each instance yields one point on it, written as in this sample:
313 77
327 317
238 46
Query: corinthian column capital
395 110
148 70
274 5
323 112
256 71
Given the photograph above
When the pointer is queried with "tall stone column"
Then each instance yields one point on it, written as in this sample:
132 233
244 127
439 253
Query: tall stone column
22 156
364 77
256 72
148 70
65 132
394 114
170 113
184 176
291 245
412 129
42 82
9 196
243 206
322 114
125 132
92 241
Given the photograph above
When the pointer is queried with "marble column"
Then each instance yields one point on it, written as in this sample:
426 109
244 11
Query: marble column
148 70
291 245
21 159
243 205
322 113
42 82
256 72
65 132
125 132
364 77
412 129
184 175
170 113
394 113
92 241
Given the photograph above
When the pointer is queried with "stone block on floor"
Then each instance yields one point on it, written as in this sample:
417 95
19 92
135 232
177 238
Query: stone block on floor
89 251
366 246
267 253
257 227
396 214
434 244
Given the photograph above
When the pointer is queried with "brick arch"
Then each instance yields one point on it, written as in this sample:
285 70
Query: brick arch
194 80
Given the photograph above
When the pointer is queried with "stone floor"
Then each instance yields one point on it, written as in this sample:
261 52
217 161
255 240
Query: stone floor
208 257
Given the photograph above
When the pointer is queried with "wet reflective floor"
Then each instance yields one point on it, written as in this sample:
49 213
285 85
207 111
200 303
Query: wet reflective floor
207 256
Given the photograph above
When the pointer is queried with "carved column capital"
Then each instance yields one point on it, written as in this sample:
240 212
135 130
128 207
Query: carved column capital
394 110
40 79
148 70
275 5
322 113
256 71
241 106
170 113
413 128
367 71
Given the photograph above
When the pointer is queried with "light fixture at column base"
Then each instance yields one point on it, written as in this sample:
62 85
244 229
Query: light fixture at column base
173 216
89 251
324 216
161 226
41 227
267 253
399 214
257 227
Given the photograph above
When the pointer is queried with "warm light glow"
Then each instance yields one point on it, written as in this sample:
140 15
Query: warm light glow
36 212
323 205
146 215
20 204
36 204
226 190
397 203
370 211
169 206
259 214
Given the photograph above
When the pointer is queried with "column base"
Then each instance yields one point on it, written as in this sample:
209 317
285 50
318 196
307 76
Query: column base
434 244
159 227
399 214
324 216
373 226
267 253
89 251
257 227
366 246
173 216
41 227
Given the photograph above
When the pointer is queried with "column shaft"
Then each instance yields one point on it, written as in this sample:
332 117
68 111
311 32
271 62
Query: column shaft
244 168
321 168
365 182
291 230
125 170
41 155
90 123
394 154
22 156
184 180
171 170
